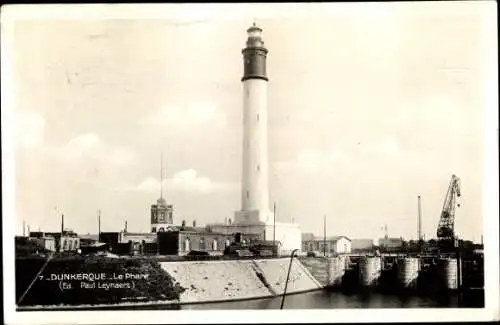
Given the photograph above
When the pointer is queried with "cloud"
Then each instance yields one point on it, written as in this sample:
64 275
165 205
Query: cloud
195 113
29 128
186 180
89 146
86 145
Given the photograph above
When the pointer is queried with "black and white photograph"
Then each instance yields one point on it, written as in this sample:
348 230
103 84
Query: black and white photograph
312 160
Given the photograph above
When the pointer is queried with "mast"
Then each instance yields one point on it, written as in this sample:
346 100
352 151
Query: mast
274 226
166 177
324 235
161 177
419 220
99 225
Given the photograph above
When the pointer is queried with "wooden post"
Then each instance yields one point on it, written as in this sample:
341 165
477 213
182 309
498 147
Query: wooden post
99 226
287 278
275 250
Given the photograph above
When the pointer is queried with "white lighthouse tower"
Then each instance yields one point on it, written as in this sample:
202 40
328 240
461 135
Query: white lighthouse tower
254 186
255 216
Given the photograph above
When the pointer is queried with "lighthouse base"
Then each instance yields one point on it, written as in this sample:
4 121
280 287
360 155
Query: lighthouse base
287 235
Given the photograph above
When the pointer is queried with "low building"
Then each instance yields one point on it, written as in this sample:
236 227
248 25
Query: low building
181 242
388 243
363 244
69 244
48 243
67 241
330 245
140 243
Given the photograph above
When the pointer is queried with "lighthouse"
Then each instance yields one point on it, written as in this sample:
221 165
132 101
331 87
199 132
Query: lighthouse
254 182
255 216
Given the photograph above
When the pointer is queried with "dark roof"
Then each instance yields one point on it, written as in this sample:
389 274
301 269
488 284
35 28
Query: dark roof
195 229
139 234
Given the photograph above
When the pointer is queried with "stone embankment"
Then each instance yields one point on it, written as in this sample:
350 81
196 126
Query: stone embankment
206 281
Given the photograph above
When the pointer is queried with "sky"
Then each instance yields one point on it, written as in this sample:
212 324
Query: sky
369 106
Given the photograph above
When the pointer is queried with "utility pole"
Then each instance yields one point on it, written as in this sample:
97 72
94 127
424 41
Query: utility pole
125 226
274 229
324 235
161 176
99 226
419 225
419 220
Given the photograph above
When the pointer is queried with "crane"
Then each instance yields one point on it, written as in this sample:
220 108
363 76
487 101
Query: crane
446 227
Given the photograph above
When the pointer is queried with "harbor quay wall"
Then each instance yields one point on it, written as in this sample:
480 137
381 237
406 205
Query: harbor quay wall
393 274
210 281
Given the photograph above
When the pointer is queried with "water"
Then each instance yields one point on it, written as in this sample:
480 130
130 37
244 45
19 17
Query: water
334 300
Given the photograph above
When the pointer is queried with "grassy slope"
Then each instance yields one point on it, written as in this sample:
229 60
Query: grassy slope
158 286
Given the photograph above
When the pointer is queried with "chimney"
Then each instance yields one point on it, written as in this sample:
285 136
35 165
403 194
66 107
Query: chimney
229 221
183 225
125 227
194 223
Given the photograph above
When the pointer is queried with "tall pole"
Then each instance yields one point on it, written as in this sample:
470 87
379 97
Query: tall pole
62 224
419 226
274 229
324 235
287 278
419 220
161 176
99 226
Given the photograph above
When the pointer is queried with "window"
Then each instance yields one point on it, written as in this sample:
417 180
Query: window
153 229
214 244
186 244
202 243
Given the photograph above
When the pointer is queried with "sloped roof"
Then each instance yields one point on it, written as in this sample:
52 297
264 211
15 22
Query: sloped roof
335 238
